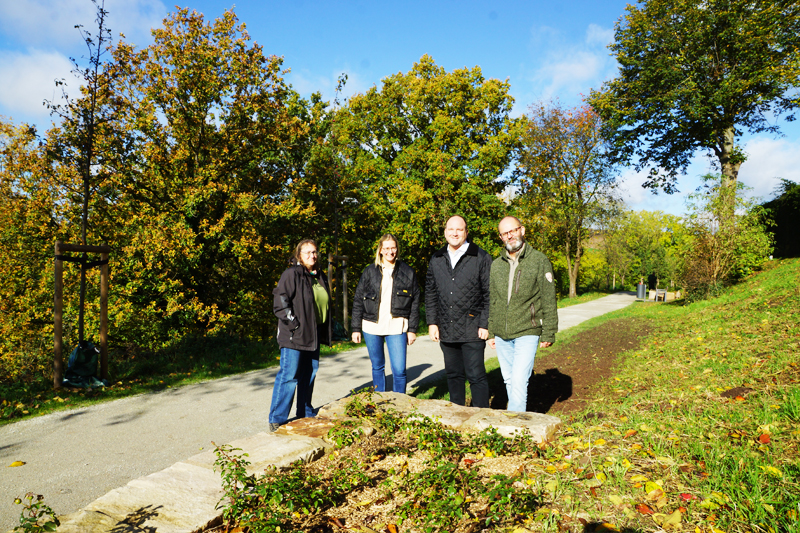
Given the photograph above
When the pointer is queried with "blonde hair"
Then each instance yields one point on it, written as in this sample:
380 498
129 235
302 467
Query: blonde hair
386 237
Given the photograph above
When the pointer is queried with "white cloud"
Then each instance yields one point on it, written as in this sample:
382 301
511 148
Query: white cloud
567 69
599 36
51 23
768 160
29 80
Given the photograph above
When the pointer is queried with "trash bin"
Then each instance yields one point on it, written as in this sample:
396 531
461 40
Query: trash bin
641 289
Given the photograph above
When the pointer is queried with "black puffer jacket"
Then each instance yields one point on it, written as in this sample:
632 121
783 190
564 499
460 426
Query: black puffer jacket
405 296
294 306
457 300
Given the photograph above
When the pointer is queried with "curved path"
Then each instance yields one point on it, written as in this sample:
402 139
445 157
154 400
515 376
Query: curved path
74 457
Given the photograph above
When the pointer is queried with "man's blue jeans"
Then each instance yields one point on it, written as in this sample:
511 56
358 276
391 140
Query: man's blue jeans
298 370
516 364
397 344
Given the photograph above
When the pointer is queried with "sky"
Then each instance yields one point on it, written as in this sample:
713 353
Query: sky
547 50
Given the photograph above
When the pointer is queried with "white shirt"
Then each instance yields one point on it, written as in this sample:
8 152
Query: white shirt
456 254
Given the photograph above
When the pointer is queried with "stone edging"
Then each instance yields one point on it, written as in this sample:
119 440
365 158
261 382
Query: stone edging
183 498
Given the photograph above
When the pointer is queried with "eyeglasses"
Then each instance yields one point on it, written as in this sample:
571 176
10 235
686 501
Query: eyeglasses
309 252
510 232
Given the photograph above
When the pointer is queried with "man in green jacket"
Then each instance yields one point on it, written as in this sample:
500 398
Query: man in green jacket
522 312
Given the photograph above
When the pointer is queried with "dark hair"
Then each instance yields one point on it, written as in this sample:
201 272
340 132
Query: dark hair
296 255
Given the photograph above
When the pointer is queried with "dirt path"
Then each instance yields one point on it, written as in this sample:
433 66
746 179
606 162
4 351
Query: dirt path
566 377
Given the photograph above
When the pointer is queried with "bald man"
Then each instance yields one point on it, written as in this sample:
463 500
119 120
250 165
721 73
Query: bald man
523 310
457 310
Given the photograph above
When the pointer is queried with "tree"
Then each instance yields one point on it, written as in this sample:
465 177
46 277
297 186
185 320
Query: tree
726 245
75 144
785 213
566 179
199 200
426 145
695 76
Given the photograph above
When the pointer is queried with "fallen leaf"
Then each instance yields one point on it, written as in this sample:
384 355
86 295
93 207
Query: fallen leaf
763 438
616 500
686 497
16 463
639 477
643 508
630 433
772 471
392 528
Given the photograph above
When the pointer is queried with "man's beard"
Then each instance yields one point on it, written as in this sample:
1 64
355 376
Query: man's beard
515 245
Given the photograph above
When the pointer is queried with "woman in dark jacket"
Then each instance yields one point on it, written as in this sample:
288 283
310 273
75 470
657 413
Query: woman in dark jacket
386 309
301 304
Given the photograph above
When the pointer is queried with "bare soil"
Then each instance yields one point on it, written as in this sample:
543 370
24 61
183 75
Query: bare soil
566 377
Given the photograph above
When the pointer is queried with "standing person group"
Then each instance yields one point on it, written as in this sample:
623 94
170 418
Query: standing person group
469 299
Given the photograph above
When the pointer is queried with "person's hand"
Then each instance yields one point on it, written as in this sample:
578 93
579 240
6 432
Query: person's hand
433 333
483 334
545 344
490 342
356 336
411 338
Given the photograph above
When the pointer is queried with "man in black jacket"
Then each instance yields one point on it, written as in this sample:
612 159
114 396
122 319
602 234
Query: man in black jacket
457 310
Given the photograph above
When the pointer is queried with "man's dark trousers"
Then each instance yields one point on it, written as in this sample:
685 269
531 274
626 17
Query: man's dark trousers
464 361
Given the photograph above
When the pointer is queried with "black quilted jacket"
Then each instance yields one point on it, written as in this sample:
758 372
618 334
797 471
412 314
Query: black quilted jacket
405 296
457 300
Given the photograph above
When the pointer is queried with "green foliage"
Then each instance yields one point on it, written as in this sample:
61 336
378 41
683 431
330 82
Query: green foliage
566 181
784 211
729 238
425 145
695 75
36 515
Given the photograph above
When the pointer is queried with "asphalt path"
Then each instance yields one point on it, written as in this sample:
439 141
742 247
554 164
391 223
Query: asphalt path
74 457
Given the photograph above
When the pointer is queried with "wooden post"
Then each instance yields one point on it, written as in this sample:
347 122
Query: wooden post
104 317
344 289
58 308
58 305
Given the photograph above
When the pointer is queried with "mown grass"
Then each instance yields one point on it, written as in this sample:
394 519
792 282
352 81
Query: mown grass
700 428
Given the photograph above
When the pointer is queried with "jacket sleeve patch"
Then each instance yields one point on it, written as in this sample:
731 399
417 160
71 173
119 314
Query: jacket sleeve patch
549 277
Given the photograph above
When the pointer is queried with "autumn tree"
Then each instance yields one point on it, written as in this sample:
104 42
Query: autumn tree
200 197
428 144
697 76
726 244
565 177
75 143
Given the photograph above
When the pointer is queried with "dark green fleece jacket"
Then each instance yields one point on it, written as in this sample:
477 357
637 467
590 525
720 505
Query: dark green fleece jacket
532 308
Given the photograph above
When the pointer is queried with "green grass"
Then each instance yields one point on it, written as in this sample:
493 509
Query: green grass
661 447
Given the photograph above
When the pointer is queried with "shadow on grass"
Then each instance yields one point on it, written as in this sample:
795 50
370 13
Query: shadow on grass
544 390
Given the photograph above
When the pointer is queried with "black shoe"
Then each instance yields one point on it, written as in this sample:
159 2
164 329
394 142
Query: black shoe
273 427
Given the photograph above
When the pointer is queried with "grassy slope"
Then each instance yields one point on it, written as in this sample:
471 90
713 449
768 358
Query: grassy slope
661 447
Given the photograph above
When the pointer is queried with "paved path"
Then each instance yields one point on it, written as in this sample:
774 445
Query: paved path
74 457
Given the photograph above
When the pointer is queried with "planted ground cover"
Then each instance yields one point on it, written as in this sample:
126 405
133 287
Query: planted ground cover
696 429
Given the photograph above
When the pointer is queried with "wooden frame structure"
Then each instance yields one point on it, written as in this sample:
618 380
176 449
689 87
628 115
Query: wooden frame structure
332 259
58 303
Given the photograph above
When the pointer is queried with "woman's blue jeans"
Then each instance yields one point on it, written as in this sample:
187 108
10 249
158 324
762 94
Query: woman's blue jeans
397 344
298 370
516 358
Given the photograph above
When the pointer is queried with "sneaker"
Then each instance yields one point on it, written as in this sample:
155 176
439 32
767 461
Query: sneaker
273 427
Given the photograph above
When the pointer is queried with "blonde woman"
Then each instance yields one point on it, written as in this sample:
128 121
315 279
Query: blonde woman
386 310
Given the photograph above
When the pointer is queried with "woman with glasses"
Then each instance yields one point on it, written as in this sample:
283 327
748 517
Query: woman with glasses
301 304
386 310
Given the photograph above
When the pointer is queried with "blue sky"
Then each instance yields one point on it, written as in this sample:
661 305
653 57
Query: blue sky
546 49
